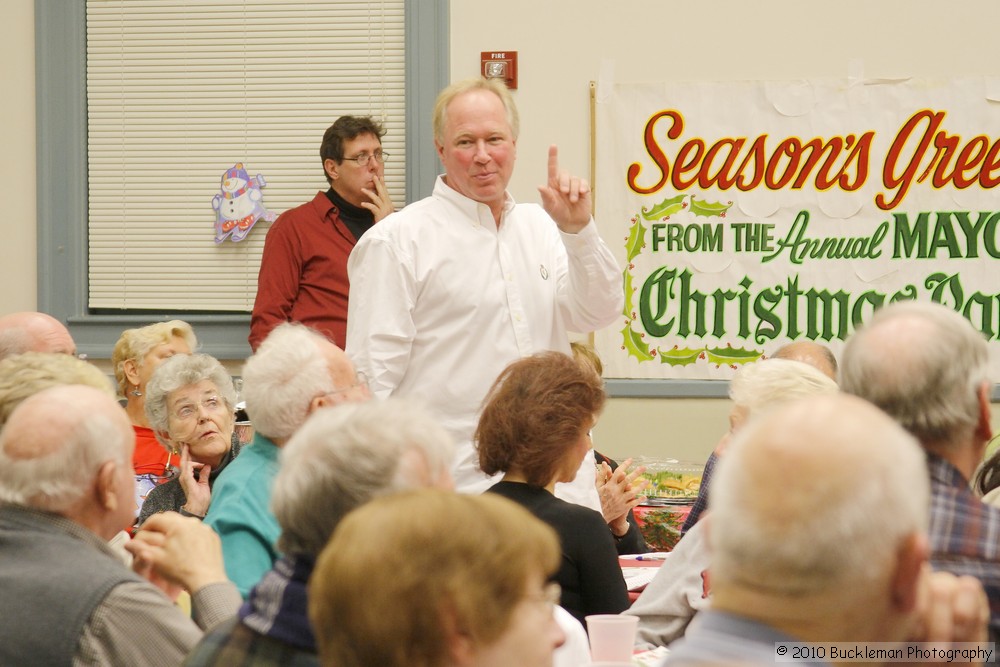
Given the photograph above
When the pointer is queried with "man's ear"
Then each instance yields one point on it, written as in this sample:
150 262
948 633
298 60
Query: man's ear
907 577
983 428
461 648
106 486
331 168
317 403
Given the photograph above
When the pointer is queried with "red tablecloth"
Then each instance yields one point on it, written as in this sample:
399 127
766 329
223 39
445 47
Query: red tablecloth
661 525
633 595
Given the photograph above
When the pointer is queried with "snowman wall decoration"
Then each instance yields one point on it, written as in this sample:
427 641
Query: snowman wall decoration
239 204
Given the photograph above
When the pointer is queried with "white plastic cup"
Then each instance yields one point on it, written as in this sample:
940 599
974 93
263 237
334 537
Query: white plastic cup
612 637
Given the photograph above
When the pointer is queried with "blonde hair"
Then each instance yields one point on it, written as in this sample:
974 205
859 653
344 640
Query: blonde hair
135 344
30 372
587 356
446 96
437 556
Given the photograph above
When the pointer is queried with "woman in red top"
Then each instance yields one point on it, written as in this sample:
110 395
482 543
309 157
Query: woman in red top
137 354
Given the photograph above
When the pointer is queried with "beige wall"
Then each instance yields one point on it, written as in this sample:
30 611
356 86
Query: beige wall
17 157
562 45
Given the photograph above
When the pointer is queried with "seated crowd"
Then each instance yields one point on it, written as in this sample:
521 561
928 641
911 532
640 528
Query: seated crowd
335 537
139 529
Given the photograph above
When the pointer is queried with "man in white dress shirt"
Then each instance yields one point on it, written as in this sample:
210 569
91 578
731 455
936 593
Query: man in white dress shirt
450 290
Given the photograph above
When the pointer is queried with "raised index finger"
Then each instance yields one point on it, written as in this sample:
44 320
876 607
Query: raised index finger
553 166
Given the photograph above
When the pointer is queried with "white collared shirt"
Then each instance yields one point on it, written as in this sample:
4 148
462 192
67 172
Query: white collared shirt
442 300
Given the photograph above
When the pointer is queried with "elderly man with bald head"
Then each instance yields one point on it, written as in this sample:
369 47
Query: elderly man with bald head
818 534
672 598
927 367
33 332
66 488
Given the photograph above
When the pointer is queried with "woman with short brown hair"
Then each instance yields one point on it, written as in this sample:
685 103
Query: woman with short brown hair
535 428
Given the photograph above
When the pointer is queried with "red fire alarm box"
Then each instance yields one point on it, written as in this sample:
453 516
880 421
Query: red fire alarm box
500 65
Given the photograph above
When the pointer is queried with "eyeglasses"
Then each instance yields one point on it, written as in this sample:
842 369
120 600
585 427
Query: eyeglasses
212 405
549 597
364 158
360 379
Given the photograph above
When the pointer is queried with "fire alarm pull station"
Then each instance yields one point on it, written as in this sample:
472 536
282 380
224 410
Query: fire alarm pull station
500 65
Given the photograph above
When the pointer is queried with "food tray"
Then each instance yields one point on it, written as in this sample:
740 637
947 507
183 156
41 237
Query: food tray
670 479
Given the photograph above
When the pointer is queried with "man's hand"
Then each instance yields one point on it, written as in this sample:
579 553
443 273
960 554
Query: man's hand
381 204
954 609
566 198
180 550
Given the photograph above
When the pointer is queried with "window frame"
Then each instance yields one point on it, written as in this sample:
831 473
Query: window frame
61 146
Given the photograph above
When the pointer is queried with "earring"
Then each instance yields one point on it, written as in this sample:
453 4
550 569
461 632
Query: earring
136 392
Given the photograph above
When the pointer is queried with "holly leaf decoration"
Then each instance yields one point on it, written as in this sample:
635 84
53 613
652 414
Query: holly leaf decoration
731 356
634 345
629 291
636 239
665 208
708 209
680 356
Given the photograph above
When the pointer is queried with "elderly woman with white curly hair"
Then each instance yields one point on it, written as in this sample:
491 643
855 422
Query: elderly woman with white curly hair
190 405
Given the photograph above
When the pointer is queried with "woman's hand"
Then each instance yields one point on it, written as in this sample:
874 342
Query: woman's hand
619 493
194 481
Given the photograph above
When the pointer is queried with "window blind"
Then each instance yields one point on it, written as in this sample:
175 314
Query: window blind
180 91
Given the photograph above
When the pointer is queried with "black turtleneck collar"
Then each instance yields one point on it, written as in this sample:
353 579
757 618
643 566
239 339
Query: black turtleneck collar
358 220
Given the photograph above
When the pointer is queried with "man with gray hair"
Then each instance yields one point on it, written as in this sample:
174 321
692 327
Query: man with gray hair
339 460
30 331
294 372
818 534
66 488
927 367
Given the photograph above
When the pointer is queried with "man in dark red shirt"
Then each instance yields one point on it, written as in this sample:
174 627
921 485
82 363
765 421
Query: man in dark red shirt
303 271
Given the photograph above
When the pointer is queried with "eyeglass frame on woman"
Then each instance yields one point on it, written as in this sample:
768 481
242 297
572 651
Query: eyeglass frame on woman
196 408
549 597
363 159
